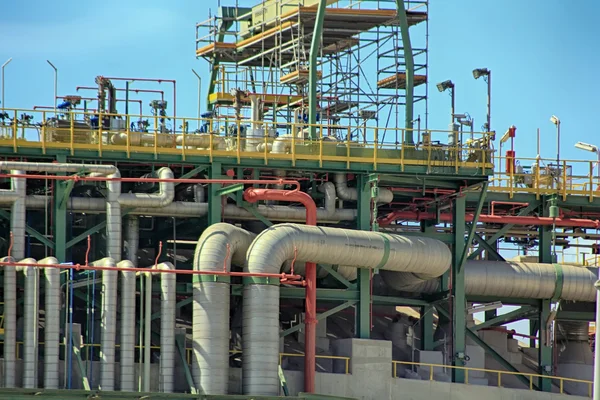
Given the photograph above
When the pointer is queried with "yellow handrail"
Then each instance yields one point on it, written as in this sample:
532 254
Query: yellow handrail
491 371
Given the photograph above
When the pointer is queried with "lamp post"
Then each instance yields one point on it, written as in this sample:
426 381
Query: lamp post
487 77
55 83
556 121
4 65
199 93
448 85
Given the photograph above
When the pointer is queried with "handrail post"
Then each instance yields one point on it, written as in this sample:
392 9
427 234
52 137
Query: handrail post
43 132
72 132
183 135
375 146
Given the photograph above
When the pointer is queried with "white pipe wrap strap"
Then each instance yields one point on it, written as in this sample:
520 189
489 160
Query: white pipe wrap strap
210 337
127 334
426 257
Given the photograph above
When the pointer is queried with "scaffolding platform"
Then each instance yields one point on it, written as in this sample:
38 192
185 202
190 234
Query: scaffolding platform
398 81
298 77
268 99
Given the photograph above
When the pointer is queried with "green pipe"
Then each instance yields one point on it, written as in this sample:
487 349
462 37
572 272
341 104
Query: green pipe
312 71
410 71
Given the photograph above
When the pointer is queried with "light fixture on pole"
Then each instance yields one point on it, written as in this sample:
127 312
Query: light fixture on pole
556 121
199 93
487 77
448 85
55 83
593 149
3 66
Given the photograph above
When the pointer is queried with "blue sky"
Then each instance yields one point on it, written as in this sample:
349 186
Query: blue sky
543 55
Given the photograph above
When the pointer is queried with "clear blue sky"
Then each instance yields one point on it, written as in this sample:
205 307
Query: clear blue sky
543 55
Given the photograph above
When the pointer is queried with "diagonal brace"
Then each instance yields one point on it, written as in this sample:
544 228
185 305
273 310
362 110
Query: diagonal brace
320 317
487 247
471 233
516 315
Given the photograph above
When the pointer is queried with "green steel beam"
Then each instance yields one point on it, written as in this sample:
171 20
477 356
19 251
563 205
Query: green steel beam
473 228
192 173
320 317
545 346
575 315
69 185
516 315
84 380
312 69
336 275
84 235
215 205
59 228
491 251
180 343
224 191
458 301
410 70
248 207
43 239
400 301
363 219
531 207
427 331
545 238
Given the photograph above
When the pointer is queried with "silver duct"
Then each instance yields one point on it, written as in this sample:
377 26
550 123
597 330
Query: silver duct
210 337
16 197
132 238
169 140
351 194
30 324
52 323
515 280
108 326
127 338
426 257
168 300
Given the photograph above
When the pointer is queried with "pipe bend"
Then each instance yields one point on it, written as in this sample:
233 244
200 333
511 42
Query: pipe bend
164 197
344 192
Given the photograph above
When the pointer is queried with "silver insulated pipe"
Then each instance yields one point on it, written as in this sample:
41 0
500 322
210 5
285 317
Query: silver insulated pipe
127 338
168 300
425 258
30 324
16 197
108 325
52 323
219 246
351 194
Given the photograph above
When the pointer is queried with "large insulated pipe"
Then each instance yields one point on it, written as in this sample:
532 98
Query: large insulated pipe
127 338
252 195
16 197
52 323
514 280
108 326
426 258
132 238
168 300
218 247
30 324
168 140
351 194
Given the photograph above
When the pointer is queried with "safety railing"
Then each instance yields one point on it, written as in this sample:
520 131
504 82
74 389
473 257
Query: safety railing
499 374
541 176
241 140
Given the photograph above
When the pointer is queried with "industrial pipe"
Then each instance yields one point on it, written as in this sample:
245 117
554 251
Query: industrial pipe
344 192
494 219
252 195
424 257
127 334
30 324
218 247
52 306
168 301
108 325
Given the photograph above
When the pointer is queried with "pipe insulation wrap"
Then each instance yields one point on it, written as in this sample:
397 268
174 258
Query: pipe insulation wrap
132 237
168 301
57 168
426 258
52 306
344 192
108 325
515 280
127 334
210 337
30 324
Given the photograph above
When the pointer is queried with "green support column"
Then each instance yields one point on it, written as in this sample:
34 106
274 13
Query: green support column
427 331
59 215
410 70
215 201
459 302
544 347
312 71
363 219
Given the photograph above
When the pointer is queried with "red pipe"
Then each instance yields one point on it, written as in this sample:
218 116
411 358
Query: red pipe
156 180
510 203
494 219
252 195
136 91
116 100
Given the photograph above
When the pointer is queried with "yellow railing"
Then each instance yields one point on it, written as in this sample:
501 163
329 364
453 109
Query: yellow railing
499 374
81 131
189 352
541 176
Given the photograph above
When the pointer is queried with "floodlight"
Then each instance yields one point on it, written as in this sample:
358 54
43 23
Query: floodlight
479 72
445 85
554 119
586 147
